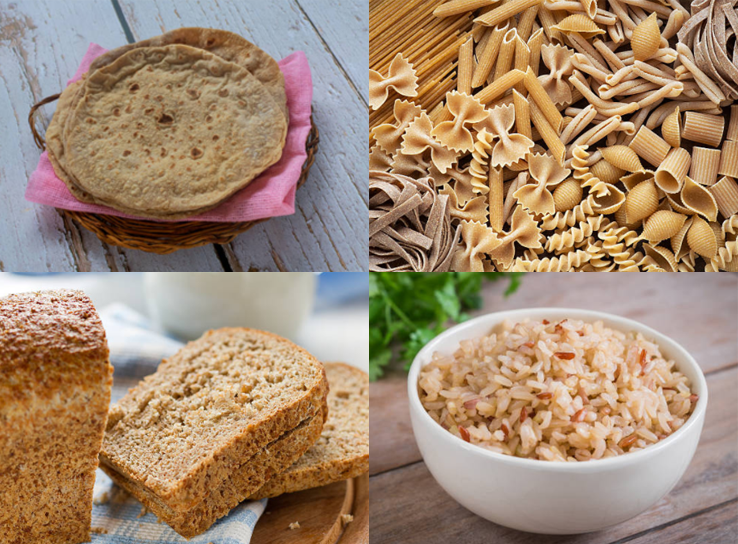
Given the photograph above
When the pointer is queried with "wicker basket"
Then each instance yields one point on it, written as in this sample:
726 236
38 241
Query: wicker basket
165 237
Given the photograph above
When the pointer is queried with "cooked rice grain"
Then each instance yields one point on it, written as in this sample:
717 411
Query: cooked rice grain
566 391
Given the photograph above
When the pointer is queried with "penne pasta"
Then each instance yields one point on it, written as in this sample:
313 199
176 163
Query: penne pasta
466 66
547 132
534 46
489 55
507 53
500 86
526 20
522 115
504 12
543 101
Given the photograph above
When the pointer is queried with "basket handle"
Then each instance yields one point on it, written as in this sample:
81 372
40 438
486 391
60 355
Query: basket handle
40 142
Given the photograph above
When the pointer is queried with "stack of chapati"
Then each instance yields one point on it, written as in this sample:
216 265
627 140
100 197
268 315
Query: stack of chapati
170 127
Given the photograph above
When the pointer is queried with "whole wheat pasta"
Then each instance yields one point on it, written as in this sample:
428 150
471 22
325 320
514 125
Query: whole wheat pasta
507 53
504 12
522 59
522 115
547 132
649 146
496 198
489 55
578 124
603 106
543 101
628 80
622 14
671 172
584 64
526 20
579 23
455 7
567 195
662 225
548 21
646 39
466 66
705 165
675 22
590 8
585 48
699 200
607 55
729 159
510 199
703 128
596 133
701 238
732 132
626 73
660 113
534 45
711 90
500 86
671 129
602 16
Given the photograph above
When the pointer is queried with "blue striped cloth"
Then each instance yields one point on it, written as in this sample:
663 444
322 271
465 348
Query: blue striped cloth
135 351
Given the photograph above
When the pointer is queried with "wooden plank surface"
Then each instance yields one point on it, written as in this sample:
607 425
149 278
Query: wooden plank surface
41 42
699 312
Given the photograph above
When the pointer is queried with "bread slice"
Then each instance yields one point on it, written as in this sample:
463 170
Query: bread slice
342 451
214 409
270 460
55 382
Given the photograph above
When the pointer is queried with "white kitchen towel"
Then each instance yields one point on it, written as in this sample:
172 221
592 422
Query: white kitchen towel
117 518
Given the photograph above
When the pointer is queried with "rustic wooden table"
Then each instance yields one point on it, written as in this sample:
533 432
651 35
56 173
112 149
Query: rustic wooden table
699 311
41 44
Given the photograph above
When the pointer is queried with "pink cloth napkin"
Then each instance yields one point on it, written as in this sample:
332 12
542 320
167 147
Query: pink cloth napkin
270 195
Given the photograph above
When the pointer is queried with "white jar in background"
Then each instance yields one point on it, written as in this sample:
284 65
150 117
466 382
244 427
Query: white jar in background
189 303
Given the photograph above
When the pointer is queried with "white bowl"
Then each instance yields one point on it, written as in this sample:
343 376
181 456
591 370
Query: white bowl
545 496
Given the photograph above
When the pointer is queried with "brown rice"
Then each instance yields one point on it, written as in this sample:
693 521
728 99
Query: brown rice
557 391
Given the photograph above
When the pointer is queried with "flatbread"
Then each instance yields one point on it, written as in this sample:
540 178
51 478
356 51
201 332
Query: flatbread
227 45
168 131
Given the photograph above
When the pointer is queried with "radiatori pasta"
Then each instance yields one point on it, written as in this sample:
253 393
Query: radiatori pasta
560 135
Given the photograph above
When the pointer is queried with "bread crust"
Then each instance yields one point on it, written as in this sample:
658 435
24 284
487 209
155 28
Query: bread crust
55 382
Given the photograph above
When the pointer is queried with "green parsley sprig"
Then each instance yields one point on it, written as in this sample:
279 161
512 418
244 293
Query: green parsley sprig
408 310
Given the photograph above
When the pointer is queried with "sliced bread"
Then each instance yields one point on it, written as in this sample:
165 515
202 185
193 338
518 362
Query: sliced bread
215 409
342 451
55 382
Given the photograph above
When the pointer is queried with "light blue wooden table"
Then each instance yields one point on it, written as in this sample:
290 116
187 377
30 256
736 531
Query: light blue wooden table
41 44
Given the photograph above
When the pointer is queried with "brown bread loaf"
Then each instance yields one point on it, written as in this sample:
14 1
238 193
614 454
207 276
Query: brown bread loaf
55 382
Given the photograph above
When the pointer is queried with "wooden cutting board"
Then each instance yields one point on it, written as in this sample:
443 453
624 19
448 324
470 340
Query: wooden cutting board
318 511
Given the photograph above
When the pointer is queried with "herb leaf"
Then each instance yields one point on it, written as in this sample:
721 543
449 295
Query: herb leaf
408 310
